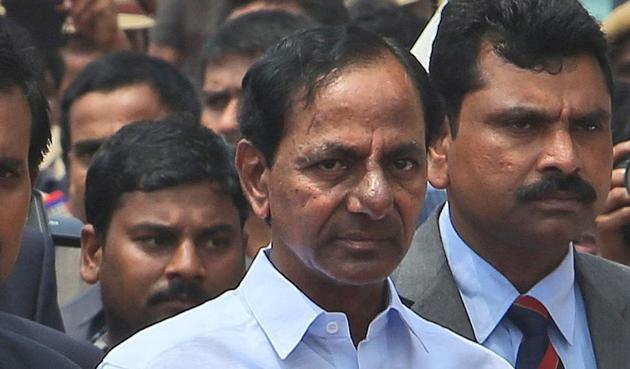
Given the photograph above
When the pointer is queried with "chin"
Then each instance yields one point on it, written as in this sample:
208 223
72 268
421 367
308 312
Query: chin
362 275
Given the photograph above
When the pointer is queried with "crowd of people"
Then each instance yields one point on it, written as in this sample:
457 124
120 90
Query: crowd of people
315 184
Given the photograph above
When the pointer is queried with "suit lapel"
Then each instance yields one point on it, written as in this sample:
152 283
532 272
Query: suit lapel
605 291
425 278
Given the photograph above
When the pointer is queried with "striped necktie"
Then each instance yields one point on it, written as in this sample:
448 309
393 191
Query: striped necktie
536 350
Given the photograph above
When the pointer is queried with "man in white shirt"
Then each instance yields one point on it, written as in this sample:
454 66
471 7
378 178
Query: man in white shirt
526 160
335 124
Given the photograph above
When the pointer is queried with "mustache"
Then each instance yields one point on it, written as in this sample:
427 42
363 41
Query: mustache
547 186
179 289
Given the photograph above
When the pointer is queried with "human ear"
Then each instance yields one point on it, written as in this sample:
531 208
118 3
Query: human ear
91 254
253 173
438 158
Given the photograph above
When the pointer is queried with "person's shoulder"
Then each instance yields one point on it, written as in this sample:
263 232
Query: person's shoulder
82 353
19 352
602 269
451 350
222 319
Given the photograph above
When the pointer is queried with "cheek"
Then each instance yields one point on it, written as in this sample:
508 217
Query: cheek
12 221
120 269
223 273
78 172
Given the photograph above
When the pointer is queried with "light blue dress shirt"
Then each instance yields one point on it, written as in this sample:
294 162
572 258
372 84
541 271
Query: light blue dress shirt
268 323
487 296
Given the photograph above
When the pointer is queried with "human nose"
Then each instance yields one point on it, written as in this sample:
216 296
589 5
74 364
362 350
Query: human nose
227 124
559 153
185 263
372 196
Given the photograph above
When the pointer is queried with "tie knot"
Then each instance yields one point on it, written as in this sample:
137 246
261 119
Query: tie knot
530 316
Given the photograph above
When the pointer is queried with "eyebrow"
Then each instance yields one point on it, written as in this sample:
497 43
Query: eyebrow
347 151
149 227
327 149
11 163
599 115
407 149
87 146
520 113
215 94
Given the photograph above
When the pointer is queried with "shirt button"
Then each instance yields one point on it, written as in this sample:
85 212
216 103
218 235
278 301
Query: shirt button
332 327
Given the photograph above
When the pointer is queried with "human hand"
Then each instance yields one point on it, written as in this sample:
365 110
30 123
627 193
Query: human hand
616 214
96 20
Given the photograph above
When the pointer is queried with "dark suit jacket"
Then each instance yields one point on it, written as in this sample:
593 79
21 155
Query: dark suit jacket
29 339
425 277
84 316
18 352
30 291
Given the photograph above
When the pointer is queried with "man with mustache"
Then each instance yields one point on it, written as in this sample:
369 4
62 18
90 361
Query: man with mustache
526 159
165 218
335 122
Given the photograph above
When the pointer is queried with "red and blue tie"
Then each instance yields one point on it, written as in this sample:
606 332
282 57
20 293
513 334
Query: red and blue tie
536 350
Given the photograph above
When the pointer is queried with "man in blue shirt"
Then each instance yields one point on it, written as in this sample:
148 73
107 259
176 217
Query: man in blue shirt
335 123
526 160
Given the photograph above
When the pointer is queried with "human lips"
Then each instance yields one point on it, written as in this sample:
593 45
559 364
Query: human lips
179 302
560 201
363 241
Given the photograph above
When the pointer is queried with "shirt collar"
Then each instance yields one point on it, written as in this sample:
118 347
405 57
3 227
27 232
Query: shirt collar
286 322
287 319
487 294
403 312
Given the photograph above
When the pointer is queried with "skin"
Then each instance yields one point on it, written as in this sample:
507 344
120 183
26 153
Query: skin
188 233
221 92
15 179
255 6
518 128
616 214
97 21
345 189
96 116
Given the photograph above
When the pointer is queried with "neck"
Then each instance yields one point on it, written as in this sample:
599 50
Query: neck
524 260
360 303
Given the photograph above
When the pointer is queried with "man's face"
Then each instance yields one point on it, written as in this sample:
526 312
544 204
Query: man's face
530 164
349 179
95 117
15 181
164 252
221 94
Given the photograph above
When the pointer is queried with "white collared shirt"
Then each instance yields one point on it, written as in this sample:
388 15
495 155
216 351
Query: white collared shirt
269 323
487 295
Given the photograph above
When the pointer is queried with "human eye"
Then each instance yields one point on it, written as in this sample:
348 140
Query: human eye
331 165
9 173
589 126
216 243
520 125
404 165
153 242
216 101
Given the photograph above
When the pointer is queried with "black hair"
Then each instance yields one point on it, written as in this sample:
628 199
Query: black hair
19 67
531 34
152 155
127 68
324 12
390 21
306 61
252 33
